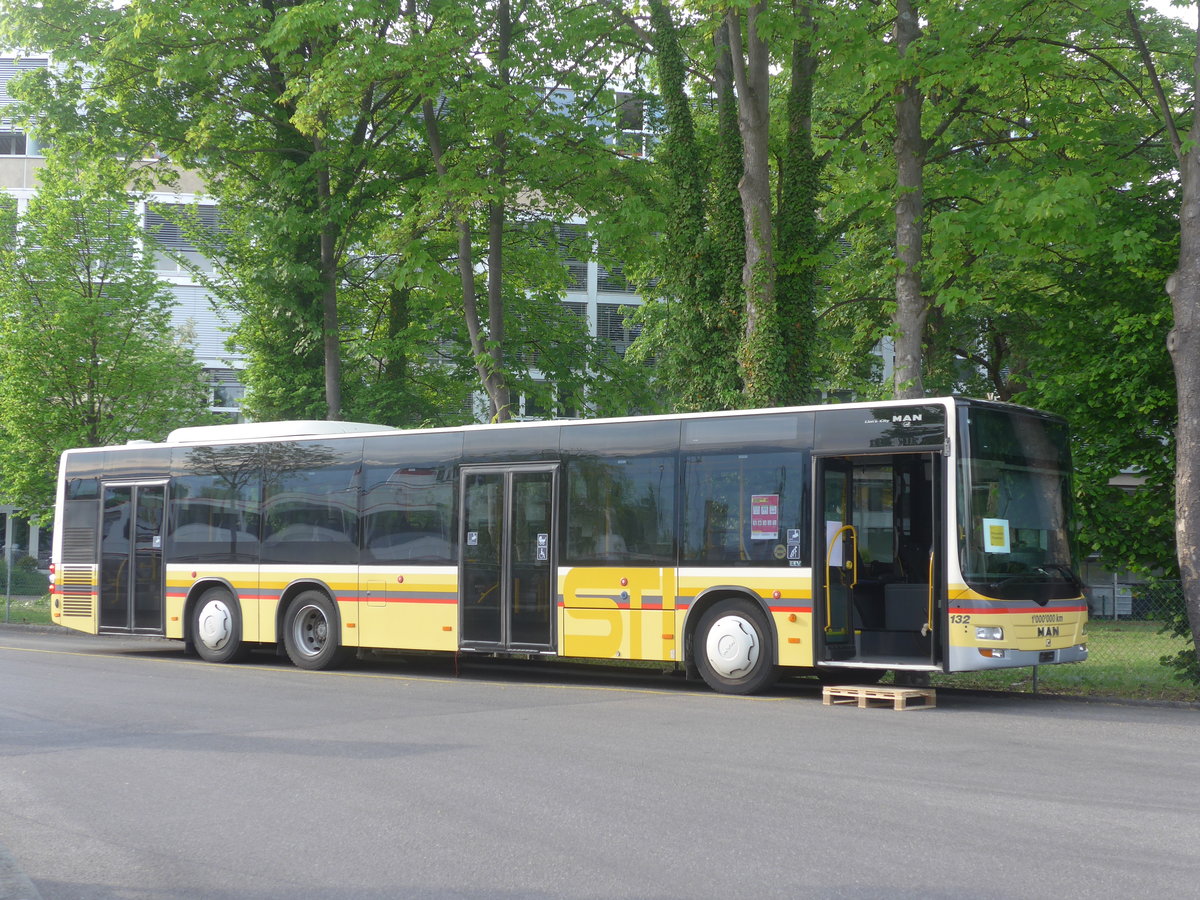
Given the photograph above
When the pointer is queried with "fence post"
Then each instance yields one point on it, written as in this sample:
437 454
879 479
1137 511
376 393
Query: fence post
8 542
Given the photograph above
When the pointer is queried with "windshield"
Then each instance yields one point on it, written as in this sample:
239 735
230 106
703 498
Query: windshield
1014 505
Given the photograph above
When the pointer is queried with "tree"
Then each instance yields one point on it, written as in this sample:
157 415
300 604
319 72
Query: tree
702 251
87 350
1183 342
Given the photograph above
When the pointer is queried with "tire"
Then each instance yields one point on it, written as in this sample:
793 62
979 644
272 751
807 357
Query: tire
733 648
311 632
216 630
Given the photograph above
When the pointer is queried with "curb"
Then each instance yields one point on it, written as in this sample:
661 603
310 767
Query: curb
14 885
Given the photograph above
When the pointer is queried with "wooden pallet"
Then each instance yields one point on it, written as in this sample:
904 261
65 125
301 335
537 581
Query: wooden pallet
867 695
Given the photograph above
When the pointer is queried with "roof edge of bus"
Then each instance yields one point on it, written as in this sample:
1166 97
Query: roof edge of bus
261 430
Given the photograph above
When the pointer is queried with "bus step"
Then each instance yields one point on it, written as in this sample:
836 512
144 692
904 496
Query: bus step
875 695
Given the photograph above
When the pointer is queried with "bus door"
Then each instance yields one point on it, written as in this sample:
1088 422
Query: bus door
506 586
876 574
131 564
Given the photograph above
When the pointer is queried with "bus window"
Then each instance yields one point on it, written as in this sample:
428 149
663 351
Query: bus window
746 509
214 504
409 515
621 510
310 502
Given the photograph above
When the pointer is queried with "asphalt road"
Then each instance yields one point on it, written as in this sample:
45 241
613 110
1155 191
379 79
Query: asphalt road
128 770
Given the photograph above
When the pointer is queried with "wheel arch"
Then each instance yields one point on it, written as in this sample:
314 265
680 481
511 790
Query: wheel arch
198 590
709 598
294 590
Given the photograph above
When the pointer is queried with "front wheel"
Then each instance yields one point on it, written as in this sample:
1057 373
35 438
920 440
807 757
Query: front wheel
217 627
310 632
733 648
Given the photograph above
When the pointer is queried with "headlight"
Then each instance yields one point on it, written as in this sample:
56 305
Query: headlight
989 633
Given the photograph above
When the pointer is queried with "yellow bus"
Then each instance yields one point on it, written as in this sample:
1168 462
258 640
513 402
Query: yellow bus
842 540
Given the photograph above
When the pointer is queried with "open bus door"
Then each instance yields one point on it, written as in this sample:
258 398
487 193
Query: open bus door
876 575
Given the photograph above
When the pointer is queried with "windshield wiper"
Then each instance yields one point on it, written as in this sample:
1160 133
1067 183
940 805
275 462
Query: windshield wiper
1067 573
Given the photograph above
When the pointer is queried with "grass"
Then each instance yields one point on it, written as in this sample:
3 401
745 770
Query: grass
1123 661
28 610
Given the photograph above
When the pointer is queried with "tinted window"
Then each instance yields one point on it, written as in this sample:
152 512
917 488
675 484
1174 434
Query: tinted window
83 472
215 499
746 508
136 461
621 509
310 501
409 499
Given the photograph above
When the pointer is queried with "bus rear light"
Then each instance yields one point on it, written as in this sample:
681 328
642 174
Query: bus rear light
992 652
989 633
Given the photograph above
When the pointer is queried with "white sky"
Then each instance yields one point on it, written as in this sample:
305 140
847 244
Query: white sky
1186 13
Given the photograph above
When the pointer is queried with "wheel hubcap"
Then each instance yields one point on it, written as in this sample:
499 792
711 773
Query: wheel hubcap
214 625
311 630
732 646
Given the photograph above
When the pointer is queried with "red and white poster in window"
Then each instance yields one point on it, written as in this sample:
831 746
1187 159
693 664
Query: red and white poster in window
764 517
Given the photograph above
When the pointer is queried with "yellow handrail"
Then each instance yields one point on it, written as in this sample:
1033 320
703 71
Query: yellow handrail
927 628
853 563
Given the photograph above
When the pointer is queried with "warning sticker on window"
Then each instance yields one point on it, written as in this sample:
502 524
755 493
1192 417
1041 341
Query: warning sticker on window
764 517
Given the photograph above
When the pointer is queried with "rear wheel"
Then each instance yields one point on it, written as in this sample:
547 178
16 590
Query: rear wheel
733 649
311 632
217 627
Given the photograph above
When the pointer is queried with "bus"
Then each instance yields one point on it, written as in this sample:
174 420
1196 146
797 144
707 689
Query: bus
841 541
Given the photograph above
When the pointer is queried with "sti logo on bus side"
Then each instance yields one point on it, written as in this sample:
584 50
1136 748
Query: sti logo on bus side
906 420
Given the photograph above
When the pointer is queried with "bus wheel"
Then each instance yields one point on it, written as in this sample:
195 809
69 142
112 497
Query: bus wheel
310 632
217 627
733 648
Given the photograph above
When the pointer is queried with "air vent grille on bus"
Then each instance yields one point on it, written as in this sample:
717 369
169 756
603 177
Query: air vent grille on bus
79 545
77 579
77 606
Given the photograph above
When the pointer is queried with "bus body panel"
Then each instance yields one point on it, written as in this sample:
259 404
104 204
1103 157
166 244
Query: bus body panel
408 609
617 612
784 592
1029 631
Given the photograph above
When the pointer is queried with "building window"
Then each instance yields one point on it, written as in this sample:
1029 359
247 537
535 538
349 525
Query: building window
12 143
179 232
631 124
611 325
573 249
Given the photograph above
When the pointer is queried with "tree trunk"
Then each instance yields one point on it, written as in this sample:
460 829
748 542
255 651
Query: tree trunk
911 308
1184 346
759 355
1183 341
491 380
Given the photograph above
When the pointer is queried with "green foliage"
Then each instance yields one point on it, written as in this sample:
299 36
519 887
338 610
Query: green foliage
87 350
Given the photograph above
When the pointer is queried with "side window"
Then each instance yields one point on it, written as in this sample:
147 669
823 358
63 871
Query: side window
310 502
746 509
408 515
215 500
621 510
